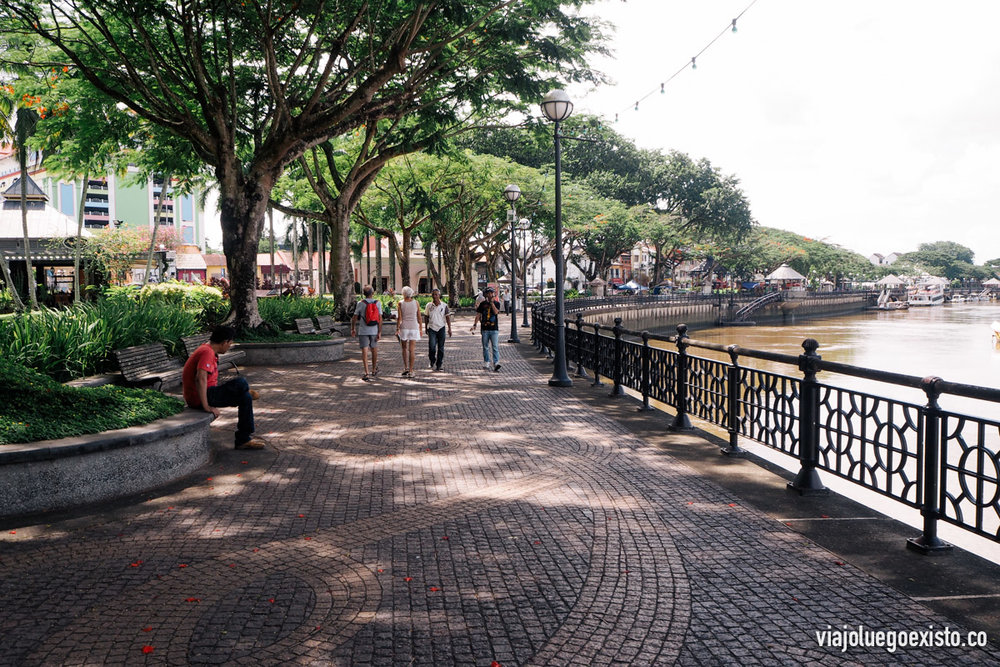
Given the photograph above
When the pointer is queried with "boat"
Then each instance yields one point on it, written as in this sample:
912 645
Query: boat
888 302
926 294
996 332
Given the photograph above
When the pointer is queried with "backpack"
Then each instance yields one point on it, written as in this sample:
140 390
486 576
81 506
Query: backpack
373 312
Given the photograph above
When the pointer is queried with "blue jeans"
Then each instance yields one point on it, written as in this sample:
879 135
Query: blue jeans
435 345
491 339
235 393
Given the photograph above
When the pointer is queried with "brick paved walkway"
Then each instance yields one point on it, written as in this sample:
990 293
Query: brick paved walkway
462 518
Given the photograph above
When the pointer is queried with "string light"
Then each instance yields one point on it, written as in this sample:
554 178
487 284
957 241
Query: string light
693 63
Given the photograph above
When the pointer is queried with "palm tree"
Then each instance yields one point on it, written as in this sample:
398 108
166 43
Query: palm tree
27 120
6 132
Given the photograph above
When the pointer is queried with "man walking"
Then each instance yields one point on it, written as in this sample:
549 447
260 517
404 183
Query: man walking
488 315
437 316
202 390
369 332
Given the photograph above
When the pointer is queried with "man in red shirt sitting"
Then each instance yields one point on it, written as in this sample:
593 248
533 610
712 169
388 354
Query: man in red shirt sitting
202 389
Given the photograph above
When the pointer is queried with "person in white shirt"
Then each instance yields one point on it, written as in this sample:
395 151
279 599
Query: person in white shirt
437 316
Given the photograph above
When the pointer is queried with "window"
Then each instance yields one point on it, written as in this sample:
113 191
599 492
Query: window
187 234
67 204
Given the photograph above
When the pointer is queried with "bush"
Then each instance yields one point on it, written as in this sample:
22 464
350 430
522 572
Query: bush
280 311
34 407
78 341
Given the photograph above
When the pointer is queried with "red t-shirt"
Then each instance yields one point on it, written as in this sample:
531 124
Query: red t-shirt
204 358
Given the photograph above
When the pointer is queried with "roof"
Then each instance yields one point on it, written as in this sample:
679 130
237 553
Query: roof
214 259
44 222
785 272
32 191
189 260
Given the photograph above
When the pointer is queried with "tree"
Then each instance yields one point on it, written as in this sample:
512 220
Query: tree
251 87
944 258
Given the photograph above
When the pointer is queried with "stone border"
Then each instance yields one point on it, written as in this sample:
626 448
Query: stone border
69 472
295 352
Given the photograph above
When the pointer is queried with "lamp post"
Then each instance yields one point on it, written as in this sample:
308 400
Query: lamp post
512 193
557 107
525 225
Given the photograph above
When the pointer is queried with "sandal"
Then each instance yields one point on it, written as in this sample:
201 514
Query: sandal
365 378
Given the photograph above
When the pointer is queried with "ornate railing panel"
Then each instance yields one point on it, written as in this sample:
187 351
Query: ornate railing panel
970 473
873 441
707 394
768 409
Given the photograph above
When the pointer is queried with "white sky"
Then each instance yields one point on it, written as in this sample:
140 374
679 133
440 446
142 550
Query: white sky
874 124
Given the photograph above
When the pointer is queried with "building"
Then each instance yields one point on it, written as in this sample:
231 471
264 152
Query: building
48 232
113 199
884 260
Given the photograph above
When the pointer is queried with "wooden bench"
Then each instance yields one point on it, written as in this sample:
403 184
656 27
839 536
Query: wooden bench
326 323
192 343
304 325
148 364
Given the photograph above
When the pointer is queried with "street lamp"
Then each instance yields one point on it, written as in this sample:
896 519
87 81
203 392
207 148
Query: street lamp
525 226
557 107
512 193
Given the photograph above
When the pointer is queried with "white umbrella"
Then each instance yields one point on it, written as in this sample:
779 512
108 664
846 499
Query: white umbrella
785 272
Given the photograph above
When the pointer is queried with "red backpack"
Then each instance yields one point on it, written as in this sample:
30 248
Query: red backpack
373 313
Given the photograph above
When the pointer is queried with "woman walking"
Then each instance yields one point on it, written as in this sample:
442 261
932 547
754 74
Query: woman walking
410 328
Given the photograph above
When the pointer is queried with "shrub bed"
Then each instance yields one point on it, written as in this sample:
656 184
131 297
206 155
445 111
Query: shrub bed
34 407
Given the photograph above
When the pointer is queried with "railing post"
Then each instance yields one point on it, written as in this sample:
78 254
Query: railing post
616 389
581 372
807 481
536 335
733 403
681 421
597 362
929 543
645 372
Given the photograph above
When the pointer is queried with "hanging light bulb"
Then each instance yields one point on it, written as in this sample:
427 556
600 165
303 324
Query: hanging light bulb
616 118
636 106
694 65
734 25
661 88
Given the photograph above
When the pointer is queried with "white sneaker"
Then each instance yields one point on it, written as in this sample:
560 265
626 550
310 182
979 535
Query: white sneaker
487 366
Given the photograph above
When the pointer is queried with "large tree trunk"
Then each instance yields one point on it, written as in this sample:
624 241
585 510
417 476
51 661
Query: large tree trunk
79 239
404 258
242 207
341 272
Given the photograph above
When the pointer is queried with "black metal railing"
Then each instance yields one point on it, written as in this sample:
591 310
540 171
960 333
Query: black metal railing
945 464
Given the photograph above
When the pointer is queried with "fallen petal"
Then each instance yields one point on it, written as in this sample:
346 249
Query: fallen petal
147 649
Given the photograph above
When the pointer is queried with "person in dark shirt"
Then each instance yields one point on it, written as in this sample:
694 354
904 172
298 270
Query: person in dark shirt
488 316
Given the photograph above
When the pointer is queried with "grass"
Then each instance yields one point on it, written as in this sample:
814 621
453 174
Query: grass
34 407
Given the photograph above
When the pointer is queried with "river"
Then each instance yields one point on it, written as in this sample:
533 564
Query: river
953 341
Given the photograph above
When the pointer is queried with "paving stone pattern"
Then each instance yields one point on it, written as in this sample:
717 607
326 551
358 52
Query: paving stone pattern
458 518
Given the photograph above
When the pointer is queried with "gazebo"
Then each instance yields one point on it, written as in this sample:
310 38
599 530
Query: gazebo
890 280
784 274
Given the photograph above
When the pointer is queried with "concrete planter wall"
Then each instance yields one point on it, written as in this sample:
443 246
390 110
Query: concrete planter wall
60 474
298 352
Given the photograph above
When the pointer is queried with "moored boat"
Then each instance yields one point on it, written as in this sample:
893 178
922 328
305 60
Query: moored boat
926 294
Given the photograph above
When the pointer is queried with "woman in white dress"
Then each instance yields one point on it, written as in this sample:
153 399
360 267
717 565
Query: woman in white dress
410 329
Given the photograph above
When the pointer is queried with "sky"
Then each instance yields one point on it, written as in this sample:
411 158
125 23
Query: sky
872 124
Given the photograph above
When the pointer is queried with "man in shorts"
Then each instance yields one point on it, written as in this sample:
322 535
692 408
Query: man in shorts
368 335
202 389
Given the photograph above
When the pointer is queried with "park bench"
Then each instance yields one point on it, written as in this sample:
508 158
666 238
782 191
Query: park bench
304 325
192 343
326 323
148 364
